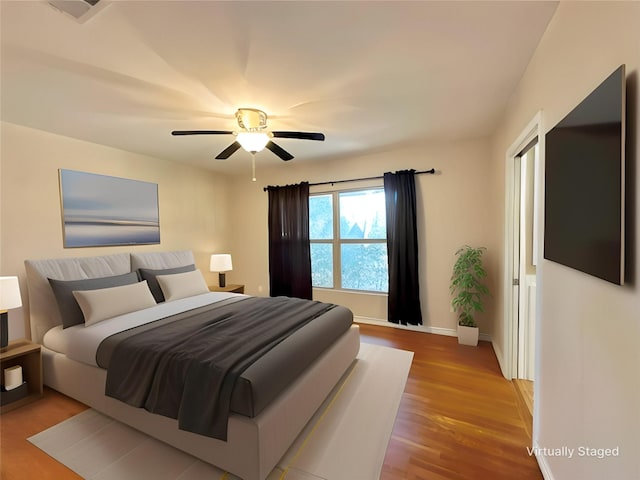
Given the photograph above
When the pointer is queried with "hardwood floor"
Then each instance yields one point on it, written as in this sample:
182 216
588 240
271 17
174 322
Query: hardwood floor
458 419
19 460
524 391
525 387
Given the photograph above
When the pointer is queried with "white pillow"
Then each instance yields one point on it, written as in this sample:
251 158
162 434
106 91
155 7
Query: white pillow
98 305
181 285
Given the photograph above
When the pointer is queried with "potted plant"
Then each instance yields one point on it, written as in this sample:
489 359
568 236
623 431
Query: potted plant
468 292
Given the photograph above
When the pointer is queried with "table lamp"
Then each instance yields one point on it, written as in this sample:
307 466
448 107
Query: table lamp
221 263
9 298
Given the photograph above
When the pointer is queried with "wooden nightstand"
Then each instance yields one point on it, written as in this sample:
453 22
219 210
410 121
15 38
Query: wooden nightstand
27 355
229 288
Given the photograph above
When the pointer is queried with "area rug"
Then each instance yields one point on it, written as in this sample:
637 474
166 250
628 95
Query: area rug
346 439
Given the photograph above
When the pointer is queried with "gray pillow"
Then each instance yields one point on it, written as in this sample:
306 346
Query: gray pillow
150 275
67 304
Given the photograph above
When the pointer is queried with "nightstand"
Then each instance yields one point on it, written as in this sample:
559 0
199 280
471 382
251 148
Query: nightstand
228 288
27 355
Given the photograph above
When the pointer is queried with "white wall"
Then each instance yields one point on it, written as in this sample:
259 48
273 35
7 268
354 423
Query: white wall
193 203
454 208
588 381
208 212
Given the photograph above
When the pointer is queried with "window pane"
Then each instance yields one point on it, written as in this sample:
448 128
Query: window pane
322 265
321 217
362 214
364 267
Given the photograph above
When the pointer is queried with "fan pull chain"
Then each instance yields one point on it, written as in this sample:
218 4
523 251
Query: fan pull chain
253 167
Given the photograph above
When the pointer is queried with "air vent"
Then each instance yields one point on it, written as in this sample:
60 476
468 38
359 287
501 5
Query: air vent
80 10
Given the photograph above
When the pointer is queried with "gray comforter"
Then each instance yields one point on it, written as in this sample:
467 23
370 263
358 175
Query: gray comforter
186 366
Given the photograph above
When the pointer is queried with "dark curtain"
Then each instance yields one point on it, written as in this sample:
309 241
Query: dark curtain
289 250
402 248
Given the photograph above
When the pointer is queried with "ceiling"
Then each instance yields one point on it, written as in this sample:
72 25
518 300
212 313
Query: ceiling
370 75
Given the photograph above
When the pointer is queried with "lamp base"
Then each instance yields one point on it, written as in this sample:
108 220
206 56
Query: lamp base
4 329
222 280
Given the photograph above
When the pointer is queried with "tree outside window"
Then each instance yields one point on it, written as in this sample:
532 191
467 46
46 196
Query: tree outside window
348 240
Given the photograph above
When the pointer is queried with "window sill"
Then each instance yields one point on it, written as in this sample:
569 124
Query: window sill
350 292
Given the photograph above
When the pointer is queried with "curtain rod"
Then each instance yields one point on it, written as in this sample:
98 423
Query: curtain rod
432 171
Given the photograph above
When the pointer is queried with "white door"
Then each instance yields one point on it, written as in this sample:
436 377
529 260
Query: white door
515 261
526 262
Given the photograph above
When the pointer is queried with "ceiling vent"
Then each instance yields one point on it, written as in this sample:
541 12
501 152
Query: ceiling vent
80 10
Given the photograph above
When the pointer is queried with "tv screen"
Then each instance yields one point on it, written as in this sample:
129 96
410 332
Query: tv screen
584 184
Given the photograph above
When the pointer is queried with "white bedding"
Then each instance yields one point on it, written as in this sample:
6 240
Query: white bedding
81 342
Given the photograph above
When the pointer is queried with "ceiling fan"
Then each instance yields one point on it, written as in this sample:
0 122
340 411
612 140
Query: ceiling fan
253 135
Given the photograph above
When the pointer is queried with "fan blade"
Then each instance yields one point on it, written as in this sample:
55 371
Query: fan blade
201 132
227 152
300 135
279 151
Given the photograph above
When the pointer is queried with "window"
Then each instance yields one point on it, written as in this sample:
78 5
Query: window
349 240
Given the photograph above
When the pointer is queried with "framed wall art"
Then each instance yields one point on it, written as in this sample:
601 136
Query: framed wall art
99 210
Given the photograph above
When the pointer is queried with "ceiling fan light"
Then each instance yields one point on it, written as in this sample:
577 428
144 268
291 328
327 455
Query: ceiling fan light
253 141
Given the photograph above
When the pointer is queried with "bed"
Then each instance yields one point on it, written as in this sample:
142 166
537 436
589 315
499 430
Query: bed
260 426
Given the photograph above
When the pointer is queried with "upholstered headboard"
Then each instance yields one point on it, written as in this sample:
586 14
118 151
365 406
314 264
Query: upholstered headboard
157 260
43 309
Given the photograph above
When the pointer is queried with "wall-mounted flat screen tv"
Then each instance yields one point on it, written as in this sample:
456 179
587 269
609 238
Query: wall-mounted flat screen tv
584 184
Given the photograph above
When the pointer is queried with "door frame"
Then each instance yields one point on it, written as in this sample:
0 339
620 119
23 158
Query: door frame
510 308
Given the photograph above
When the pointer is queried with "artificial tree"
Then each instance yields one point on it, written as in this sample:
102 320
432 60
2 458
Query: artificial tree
466 285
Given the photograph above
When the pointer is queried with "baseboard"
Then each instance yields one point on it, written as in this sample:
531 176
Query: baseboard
416 328
501 361
542 463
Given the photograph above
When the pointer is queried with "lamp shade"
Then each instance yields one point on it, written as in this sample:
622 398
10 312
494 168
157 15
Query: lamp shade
253 141
9 293
220 262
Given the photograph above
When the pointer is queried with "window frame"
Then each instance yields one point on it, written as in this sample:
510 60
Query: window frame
337 242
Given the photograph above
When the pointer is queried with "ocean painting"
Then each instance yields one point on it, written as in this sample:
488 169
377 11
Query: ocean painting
99 210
